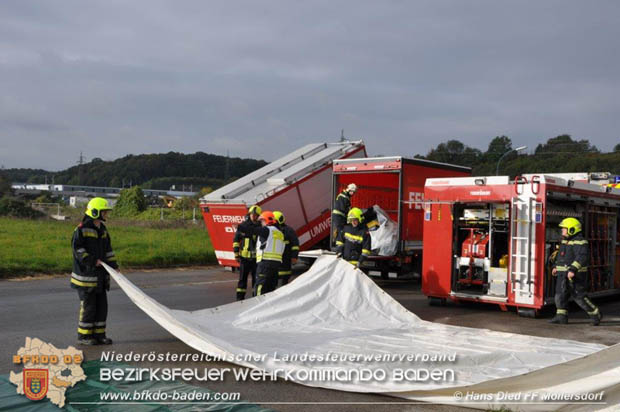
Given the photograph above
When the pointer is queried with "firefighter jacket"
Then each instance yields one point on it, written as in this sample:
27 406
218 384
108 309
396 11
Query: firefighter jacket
91 243
244 243
291 248
370 219
270 244
342 206
354 243
573 256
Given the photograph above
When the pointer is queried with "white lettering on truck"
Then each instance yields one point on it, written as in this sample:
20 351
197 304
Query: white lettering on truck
227 219
416 199
321 227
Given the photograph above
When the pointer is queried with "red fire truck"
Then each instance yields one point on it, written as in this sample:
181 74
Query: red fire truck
298 184
488 239
396 184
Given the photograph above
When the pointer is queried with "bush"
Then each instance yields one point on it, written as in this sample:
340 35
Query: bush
185 203
16 208
130 203
46 197
5 185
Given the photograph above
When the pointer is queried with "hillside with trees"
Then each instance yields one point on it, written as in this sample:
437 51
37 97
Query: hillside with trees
151 171
559 154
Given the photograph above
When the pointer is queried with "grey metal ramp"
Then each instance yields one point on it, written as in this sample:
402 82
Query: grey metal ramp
280 173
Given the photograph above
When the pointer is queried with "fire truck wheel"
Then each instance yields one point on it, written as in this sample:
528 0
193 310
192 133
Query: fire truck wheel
527 312
436 301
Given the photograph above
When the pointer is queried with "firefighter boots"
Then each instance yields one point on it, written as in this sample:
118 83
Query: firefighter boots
560 319
595 320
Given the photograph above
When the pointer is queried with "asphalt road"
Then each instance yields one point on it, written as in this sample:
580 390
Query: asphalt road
45 307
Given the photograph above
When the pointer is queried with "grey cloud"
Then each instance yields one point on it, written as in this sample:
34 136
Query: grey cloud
259 79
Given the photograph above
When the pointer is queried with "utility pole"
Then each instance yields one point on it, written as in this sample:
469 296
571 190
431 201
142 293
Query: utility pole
227 167
80 163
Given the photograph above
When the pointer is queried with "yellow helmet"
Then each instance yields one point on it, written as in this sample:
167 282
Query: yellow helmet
355 213
279 216
255 209
572 225
96 206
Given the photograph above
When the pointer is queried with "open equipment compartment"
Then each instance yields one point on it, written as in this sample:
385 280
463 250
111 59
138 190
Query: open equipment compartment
481 248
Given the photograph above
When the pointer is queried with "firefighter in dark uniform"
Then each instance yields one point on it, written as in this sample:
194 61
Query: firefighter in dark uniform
91 246
353 241
291 249
244 247
571 269
269 251
370 219
341 209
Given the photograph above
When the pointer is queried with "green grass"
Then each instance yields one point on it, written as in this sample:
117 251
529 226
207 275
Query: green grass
44 246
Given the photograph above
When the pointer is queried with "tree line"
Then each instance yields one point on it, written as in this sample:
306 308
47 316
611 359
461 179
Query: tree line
151 171
560 154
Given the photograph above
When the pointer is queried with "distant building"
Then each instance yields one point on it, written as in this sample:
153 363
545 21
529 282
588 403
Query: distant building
87 192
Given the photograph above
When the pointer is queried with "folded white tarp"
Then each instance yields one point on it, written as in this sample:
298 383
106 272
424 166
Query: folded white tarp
335 311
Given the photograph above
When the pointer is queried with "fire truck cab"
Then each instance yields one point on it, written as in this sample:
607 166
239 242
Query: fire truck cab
489 239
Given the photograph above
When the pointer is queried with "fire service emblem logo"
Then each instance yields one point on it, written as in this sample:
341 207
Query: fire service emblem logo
35 383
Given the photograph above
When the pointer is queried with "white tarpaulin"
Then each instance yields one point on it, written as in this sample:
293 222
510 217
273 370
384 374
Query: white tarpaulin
384 240
337 315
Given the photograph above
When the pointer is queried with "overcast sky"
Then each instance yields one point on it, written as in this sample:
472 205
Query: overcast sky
261 78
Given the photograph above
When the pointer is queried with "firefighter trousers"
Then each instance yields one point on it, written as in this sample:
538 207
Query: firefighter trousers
576 288
247 267
267 277
93 314
338 223
284 279
284 272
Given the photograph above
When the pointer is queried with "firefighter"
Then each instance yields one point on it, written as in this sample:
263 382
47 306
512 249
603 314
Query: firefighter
291 249
91 246
370 219
571 269
244 247
341 209
269 250
353 242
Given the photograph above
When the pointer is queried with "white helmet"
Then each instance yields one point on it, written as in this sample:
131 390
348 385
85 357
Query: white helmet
352 188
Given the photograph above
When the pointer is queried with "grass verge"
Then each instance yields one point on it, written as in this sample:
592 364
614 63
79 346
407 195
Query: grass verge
44 246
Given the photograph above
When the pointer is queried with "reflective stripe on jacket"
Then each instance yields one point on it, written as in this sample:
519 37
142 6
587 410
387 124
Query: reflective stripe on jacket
89 244
244 243
354 243
291 248
573 255
270 244
342 204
